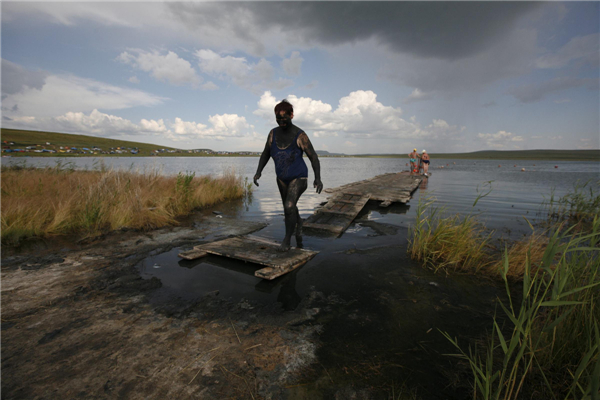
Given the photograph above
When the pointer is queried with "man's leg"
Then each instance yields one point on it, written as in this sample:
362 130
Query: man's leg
292 192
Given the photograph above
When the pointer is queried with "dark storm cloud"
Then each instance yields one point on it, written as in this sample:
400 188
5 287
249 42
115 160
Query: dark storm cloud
446 30
16 78
537 91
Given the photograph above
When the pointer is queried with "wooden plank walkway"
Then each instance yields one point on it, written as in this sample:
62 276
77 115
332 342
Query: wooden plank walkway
348 200
257 250
338 213
388 188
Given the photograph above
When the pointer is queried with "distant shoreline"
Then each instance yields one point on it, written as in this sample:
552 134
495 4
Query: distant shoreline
60 143
499 157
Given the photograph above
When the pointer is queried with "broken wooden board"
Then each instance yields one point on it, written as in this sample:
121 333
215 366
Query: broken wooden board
338 213
388 188
256 250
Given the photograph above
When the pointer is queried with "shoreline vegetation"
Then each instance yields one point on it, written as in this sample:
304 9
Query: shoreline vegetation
52 144
549 346
42 202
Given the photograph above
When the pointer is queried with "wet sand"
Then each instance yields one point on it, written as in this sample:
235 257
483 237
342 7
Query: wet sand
360 320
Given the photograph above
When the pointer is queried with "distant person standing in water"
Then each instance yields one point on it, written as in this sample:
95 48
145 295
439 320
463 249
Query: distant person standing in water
285 144
425 160
413 160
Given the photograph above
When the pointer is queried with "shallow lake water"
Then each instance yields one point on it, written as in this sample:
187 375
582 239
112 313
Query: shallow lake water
381 313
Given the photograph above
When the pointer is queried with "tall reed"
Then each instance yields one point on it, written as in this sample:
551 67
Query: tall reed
579 206
43 202
552 347
447 243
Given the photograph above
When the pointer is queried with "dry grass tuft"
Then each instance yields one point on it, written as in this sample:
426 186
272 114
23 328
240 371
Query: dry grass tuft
44 202
530 249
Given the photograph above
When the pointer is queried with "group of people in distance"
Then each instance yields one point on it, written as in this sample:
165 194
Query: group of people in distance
418 162
286 144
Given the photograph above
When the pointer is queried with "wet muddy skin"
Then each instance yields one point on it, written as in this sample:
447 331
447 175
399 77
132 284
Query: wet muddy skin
123 317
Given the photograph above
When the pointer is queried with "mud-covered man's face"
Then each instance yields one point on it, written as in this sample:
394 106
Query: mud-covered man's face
284 119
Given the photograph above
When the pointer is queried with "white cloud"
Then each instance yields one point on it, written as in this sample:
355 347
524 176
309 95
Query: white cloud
68 93
417 95
163 67
254 77
209 86
357 115
292 65
97 123
134 79
153 126
223 126
499 139
349 144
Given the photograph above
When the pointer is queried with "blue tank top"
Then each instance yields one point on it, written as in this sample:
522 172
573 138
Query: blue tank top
289 164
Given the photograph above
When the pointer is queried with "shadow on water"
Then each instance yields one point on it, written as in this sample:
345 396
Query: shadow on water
381 314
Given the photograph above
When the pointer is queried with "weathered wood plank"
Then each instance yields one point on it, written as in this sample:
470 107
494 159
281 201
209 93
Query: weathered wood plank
193 254
332 228
257 250
351 205
271 273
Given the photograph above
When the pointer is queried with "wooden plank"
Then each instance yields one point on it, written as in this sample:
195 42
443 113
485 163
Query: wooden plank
332 228
257 250
271 273
349 214
345 218
193 254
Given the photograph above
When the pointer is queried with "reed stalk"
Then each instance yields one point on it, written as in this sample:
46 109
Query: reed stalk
552 343
447 243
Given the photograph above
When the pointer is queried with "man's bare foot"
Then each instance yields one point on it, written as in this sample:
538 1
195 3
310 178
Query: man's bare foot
284 247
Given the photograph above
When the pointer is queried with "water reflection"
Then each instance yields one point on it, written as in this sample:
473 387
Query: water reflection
232 279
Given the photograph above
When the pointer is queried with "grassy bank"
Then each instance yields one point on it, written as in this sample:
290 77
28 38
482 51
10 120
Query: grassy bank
551 346
50 201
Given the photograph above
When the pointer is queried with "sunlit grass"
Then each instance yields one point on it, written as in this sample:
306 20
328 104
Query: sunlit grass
451 243
60 200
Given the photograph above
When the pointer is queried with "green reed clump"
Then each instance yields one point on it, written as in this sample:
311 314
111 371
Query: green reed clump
579 206
447 243
56 200
551 348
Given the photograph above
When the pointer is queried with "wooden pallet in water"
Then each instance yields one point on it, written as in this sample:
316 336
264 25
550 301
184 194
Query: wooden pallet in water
338 213
257 250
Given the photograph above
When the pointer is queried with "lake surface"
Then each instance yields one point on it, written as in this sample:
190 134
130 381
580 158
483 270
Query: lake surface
378 308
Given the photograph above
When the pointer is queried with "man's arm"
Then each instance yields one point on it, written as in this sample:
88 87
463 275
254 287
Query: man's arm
306 146
264 159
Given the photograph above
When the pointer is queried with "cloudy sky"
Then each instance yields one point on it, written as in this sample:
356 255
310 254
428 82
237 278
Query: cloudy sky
364 77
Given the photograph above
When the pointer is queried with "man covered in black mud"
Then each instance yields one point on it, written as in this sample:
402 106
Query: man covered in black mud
286 144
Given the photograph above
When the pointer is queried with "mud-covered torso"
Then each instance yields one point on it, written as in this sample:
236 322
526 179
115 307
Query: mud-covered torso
287 155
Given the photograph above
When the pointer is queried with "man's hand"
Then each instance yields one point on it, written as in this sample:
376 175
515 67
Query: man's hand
256 178
319 185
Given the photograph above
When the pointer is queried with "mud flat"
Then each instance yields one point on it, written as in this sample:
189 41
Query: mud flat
79 324
355 322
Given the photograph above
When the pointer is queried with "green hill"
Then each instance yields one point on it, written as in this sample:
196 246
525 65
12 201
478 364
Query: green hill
551 155
555 155
22 139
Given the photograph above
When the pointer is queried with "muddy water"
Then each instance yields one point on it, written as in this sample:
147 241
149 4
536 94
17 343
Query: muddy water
380 314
